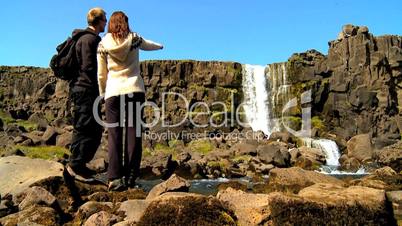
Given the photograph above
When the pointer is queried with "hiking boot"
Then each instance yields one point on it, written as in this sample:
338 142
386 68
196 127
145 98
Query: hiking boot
83 174
116 185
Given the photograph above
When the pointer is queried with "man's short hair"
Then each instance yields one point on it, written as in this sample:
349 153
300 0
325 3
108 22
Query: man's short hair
95 15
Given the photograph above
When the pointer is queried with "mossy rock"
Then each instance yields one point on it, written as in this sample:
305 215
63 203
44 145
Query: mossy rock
188 211
44 152
202 146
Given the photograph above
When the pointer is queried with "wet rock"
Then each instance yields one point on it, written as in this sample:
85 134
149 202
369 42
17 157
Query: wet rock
25 172
294 179
37 196
350 164
360 147
101 218
174 183
250 209
307 158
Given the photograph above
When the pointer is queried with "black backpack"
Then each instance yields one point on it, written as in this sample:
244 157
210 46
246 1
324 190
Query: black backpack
64 64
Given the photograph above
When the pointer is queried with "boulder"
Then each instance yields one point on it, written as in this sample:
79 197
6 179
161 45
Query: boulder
360 147
322 204
89 208
64 140
98 165
293 179
244 149
40 120
349 164
250 209
18 173
391 156
33 215
187 210
134 209
307 158
384 172
395 197
275 153
37 196
101 218
49 137
174 183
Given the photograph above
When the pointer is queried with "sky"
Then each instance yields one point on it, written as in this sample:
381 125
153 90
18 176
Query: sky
252 32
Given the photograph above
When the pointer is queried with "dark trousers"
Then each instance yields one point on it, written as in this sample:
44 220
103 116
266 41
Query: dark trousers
123 111
87 132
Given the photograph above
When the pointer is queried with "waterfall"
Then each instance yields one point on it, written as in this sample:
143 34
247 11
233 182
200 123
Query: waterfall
328 147
256 98
266 91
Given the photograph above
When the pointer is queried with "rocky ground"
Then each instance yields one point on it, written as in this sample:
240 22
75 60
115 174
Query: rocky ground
35 191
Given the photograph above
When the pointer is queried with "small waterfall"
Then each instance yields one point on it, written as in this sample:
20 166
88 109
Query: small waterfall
332 155
328 147
256 98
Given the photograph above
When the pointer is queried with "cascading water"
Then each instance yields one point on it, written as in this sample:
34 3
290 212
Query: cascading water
266 91
256 98
328 147
332 155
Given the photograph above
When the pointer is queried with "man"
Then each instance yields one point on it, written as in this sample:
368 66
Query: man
83 93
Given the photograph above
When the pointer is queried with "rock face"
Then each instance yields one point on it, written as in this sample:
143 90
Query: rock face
391 156
18 173
357 86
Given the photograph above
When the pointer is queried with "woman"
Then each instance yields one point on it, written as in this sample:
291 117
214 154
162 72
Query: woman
122 86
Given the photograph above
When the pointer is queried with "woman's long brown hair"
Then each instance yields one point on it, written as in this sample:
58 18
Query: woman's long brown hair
118 25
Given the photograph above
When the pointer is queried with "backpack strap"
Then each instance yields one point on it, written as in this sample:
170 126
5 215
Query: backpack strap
136 41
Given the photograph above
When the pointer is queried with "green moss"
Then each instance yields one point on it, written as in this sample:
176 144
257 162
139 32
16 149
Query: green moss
201 146
216 164
146 152
317 123
7 119
174 143
161 148
29 126
43 152
241 159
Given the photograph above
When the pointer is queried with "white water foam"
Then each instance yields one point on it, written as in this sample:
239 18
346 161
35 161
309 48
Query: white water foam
256 98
